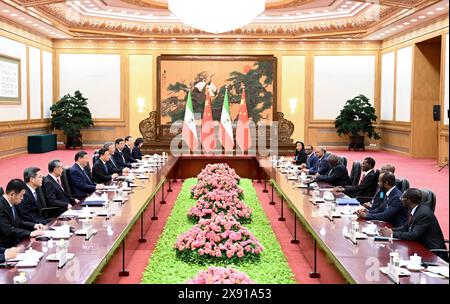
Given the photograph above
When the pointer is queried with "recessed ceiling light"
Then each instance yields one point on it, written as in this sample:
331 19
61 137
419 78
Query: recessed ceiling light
21 18
53 33
422 17
13 15
285 15
399 26
349 38
381 34
196 38
406 23
348 2
216 39
344 6
439 8
340 9
47 30
238 39
430 13
41 27
312 12
260 39
35 24
283 39
109 10
91 5
5 11
137 13
299 14
325 11
123 12
87 1
304 39
95 8
129 38
393 29
173 39
413 20
28 21
387 32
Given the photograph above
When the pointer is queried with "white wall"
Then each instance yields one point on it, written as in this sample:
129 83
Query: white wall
387 86
404 84
35 82
17 50
338 79
97 77
446 81
47 82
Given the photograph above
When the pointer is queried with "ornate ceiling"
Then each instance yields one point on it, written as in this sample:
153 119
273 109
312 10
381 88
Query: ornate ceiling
283 19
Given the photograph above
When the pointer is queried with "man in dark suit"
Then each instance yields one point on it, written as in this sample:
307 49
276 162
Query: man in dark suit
321 166
378 199
127 150
392 211
311 160
338 174
81 183
119 157
30 209
54 192
422 225
12 228
368 184
100 172
111 163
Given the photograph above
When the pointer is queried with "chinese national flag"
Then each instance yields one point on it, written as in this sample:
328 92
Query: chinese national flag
208 132
243 138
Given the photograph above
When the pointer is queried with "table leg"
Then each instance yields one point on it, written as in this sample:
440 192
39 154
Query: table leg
282 218
295 241
142 239
123 272
163 201
314 274
154 217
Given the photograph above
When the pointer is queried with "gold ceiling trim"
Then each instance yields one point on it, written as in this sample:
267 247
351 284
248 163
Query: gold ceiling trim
85 24
282 4
31 3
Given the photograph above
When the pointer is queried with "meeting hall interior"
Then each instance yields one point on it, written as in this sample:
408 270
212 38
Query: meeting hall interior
224 142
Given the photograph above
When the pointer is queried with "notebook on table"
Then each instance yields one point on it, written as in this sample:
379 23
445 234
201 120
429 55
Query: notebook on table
347 201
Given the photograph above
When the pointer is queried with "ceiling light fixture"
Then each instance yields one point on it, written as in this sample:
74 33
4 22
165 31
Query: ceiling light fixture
216 16
430 13
422 17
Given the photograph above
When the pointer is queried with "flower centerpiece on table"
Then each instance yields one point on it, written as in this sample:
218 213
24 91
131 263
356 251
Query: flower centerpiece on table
221 275
222 238
220 201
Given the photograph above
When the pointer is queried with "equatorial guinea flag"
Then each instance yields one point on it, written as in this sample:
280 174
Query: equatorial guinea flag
243 138
226 129
208 131
189 131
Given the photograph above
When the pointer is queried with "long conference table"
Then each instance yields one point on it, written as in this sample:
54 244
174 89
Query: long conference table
333 258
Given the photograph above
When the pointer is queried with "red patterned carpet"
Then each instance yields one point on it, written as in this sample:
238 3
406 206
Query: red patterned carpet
421 173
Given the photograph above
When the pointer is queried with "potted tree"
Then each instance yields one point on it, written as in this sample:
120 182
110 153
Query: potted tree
357 118
71 114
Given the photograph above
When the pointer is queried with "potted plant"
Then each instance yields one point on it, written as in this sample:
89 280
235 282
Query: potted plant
357 118
71 114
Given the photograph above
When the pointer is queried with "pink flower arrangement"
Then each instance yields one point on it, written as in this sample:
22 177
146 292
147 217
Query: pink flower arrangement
220 237
218 169
216 176
220 201
221 275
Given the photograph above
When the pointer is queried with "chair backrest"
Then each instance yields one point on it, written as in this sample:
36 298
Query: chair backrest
65 180
355 174
428 198
343 160
88 170
402 184
1 191
41 196
95 157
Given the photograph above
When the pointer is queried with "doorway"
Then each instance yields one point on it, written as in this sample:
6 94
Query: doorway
426 94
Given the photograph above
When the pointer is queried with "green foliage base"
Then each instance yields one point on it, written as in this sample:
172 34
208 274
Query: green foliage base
166 268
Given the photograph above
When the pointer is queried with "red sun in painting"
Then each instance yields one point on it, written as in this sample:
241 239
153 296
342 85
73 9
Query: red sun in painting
246 69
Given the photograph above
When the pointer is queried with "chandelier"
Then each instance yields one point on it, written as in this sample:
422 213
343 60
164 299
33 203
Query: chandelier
216 16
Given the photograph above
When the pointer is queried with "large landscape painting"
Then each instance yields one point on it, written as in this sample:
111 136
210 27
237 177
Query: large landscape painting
177 74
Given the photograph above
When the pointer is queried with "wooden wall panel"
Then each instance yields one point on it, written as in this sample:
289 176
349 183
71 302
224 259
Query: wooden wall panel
443 146
396 139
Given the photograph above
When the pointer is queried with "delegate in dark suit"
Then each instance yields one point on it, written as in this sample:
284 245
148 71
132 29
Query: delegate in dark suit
55 194
100 173
30 208
113 167
322 167
120 160
81 183
12 228
377 201
127 154
136 153
424 229
392 211
311 161
366 187
337 176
